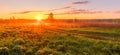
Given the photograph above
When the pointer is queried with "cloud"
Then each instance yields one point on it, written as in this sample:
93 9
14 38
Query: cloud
81 2
68 11
80 11
117 12
59 9
26 12
67 7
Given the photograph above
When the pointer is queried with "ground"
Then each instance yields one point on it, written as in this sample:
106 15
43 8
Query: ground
49 40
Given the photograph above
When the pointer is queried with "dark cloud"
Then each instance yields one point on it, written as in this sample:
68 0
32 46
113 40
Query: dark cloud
81 2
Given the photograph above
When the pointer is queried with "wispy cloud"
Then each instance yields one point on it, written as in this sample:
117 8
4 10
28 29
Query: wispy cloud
68 11
67 7
80 11
117 12
81 2
26 12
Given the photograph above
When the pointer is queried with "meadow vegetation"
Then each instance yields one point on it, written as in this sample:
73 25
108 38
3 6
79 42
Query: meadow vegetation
29 40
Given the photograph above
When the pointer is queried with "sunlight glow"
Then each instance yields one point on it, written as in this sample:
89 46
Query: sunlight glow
39 18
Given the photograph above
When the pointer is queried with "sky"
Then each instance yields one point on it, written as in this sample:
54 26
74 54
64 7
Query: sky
62 9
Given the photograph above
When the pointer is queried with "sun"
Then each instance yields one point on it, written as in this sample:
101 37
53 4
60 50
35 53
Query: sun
39 18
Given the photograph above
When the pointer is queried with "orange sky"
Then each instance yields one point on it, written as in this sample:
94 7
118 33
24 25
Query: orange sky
62 9
64 16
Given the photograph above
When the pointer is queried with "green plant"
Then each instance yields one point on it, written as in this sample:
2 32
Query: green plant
4 51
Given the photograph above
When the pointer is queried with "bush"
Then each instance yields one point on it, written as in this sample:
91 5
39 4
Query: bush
4 51
29 52
61 48
19 41
18 50
44 51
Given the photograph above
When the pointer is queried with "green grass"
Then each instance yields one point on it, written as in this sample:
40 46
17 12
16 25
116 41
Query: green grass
97 29
112 34
45 42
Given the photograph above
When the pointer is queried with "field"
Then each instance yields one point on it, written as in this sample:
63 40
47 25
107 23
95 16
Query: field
50 39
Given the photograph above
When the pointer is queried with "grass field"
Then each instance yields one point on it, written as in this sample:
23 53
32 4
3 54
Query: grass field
36 40
112 34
